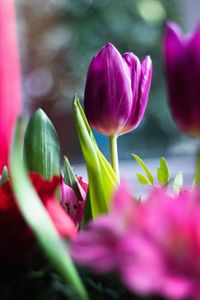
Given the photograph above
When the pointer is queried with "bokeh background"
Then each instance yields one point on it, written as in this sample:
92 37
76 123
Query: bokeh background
58 38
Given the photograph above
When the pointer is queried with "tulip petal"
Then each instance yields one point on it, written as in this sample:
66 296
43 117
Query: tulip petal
71 203
138 109
108 94
173 44
134 69
193 57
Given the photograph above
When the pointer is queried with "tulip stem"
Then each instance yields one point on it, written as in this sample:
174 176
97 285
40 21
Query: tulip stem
114 155
197 168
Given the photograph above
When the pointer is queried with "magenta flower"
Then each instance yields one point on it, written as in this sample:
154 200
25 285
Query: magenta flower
182 64
154 245
116 91
73 205
10 93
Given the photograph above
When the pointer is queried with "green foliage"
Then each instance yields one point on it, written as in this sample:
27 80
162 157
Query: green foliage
142 179
70 178
102 179
39 220
4 176
41 146
163 172
163 175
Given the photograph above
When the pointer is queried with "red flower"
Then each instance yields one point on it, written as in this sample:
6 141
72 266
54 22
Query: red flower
16 239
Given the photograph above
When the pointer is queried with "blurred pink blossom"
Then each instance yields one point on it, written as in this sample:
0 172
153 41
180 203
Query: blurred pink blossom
153 245
10 93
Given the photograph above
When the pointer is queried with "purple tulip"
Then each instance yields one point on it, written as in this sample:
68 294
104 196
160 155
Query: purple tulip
116 91
182 63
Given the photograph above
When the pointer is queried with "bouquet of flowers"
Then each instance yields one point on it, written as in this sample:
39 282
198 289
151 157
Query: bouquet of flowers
64 238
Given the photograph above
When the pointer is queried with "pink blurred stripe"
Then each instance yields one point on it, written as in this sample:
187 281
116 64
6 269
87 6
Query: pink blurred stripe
10 87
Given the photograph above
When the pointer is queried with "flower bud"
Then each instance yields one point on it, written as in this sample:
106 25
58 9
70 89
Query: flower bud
182 64
116 92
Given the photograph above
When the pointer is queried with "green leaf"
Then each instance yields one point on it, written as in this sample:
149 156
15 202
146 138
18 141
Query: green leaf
87 210
178 182
102 179
70 178
40 222
4 176
41 146
142 179
149 178
163 172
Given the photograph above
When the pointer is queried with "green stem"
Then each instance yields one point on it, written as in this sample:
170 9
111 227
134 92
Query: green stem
197 168
114 155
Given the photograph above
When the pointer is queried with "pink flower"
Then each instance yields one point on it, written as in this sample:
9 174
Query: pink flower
10 93
154 245
73 204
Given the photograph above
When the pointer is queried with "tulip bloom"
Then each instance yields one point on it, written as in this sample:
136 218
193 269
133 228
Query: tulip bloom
70 202
182 64
116 91
10 93
17 240
154 245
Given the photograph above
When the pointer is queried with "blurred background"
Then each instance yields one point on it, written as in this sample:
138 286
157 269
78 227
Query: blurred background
58 38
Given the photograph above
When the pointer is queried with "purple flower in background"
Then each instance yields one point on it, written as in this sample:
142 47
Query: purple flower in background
116 91
153 245
182 64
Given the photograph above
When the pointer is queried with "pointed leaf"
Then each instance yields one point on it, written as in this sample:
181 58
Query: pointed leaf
178 182
41 146
145 168
102 179
40 222
163 172
70 178
109 174
142 179
4 176
109 177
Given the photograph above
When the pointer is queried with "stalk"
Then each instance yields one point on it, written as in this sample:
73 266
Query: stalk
197 168
114 155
